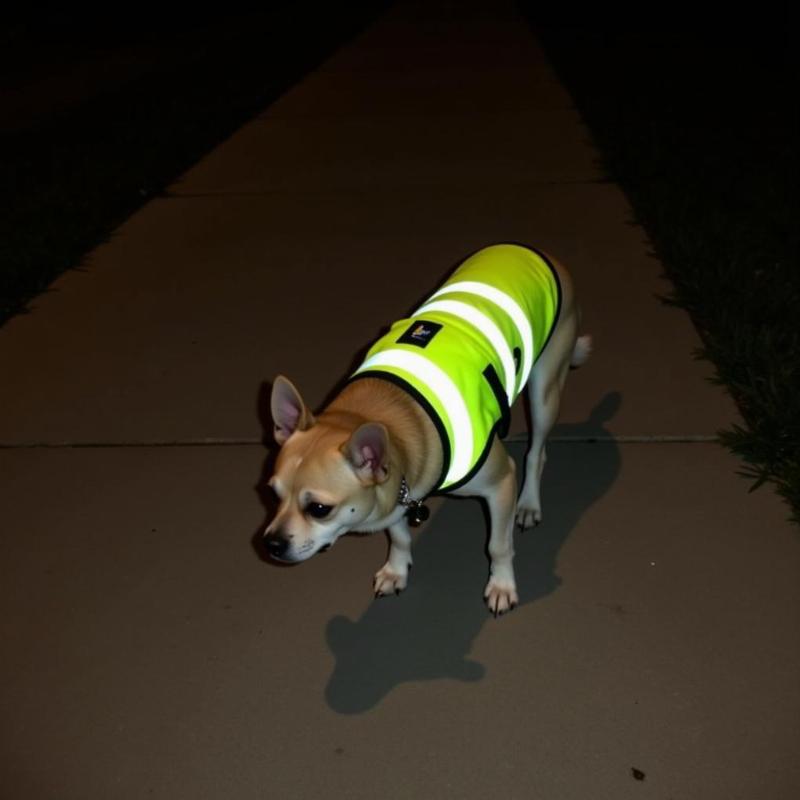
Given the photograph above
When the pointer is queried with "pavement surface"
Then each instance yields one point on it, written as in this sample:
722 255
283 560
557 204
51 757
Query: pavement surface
148 650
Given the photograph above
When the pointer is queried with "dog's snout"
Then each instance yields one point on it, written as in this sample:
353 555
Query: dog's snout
276 545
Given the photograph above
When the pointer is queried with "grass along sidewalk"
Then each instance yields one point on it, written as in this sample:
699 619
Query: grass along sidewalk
699 127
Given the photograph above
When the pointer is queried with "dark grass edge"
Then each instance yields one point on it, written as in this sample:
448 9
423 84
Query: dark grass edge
749 332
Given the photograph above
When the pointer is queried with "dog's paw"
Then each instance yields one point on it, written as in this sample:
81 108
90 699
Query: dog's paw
500 595
528 517
389 581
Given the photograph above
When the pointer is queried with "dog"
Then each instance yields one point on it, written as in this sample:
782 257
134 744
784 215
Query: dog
425 413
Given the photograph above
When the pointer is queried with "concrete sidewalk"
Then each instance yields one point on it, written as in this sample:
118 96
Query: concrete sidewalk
149 652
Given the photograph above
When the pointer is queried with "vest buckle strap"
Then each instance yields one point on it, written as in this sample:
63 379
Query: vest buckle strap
502 401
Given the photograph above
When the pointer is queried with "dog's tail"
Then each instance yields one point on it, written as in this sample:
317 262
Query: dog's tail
581 351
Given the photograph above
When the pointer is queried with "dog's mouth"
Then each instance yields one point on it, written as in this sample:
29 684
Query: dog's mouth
325 548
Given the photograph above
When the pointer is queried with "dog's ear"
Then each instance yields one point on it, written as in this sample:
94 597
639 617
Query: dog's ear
367 450
289 412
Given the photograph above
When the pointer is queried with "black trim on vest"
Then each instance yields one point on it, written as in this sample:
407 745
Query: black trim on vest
478 464
490 373
429 410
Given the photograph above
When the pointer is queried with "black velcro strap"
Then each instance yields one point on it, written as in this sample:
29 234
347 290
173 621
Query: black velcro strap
502 401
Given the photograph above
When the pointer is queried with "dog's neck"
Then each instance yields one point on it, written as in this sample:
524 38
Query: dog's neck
415 449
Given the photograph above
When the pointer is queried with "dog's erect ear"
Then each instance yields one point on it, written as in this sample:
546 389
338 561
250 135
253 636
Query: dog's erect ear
289 412
367 450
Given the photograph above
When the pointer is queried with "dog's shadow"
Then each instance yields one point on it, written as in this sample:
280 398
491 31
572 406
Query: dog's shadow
427 632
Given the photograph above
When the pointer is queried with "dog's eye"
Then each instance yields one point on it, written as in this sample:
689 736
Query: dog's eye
318 510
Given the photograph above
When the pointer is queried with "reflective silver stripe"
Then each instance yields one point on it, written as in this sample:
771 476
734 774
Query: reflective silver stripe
448 395
510 306
487 327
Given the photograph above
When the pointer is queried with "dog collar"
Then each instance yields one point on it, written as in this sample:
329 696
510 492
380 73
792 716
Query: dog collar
416 511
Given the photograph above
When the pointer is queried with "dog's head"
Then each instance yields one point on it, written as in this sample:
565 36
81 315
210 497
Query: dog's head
327 475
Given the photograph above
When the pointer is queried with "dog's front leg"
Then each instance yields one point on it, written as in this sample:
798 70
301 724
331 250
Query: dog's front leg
496 483
393 575
501 590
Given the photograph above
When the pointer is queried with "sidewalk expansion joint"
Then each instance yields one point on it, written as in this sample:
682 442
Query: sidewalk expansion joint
252 442
367 191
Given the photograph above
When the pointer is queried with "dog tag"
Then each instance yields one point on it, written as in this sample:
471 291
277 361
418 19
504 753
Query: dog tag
417 514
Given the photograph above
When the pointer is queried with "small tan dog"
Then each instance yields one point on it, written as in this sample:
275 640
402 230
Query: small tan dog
369 459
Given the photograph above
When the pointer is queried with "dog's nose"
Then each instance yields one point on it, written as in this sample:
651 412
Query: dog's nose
276 545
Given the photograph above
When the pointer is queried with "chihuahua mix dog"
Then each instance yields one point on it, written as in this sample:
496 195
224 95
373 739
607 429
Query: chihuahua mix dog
425 413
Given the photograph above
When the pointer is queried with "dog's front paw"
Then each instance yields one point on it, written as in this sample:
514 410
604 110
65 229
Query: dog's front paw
528 516
500 595
389 580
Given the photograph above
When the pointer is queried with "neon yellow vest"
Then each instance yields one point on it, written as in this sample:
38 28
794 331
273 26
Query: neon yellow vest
466 353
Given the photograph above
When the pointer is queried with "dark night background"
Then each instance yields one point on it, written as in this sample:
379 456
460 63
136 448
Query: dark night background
692 105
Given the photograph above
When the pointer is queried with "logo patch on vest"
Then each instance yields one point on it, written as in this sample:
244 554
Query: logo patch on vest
420 333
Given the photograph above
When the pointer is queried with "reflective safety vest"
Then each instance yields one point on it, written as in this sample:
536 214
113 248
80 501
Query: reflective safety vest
466 353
